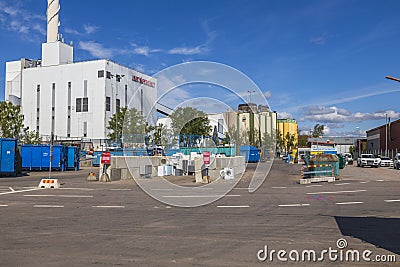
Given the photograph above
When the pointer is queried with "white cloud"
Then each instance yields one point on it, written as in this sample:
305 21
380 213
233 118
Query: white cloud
89 29
96 49
323 114
72 31
320 40
187 51
285 115
15 18
267 94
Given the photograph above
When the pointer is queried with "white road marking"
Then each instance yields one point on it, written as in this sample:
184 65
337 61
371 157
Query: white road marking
3 205
12 190
241 188
294 205
161 189
48 206
278 187
74 196
342 184
122 189
19 191
335 192
366 182
83 189
349 203
194 196
392 200
380 180
243 206
313 185
120 207
57 196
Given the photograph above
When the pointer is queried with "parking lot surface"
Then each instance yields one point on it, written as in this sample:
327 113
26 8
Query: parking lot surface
106 224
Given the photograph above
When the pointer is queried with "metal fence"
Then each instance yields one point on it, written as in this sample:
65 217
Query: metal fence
381 152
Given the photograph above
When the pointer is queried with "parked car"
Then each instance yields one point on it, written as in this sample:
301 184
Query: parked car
386 162
396 163
368 160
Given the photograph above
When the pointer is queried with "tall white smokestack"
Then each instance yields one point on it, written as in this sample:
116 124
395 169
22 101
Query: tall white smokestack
53 8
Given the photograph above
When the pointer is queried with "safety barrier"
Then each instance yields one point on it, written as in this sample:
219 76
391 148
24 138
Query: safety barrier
49 183
313 173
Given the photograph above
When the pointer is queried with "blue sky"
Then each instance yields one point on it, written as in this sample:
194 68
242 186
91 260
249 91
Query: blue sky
316 61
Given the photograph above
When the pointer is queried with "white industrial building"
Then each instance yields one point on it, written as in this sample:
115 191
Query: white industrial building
74 99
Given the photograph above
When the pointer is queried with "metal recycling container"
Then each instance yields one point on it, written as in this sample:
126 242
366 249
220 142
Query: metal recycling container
323 164
73 158
250 153
8 154
37 157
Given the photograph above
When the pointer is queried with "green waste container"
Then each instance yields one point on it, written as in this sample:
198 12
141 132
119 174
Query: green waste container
342 161
322 165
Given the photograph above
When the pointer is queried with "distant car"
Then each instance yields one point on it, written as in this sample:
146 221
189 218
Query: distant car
396 163
386 162
368 160
285 157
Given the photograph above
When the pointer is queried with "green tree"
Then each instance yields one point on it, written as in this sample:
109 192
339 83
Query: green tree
127 122
30 137
318 130
280 141
269 141
160 135
116 123
11 121
289 141
303 140
190 121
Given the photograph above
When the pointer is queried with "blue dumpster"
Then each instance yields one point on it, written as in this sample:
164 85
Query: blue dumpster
250 153
73 158
37 157
8 149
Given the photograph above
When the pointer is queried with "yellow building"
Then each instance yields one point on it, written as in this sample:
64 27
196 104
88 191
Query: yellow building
289 126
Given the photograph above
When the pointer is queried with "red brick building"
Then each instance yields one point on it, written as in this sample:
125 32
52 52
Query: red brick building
376 138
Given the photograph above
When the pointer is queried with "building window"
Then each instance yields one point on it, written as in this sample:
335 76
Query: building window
108 75
79 105
118 105
108 103
85 104
100 74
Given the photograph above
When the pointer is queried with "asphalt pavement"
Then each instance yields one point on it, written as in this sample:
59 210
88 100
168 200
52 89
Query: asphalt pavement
117 224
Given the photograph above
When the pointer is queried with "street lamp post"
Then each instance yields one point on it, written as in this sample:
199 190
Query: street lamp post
250 92
117 79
